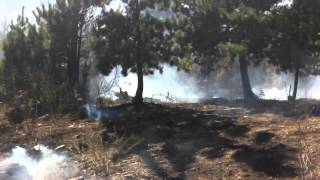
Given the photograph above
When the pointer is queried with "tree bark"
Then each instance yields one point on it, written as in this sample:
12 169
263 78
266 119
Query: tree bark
246 85
138 99
73 61
74 53
296 81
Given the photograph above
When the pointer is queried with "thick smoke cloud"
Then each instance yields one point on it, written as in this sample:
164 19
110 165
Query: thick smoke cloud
38 164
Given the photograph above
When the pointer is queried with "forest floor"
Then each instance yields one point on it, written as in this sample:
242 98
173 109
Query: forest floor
211 140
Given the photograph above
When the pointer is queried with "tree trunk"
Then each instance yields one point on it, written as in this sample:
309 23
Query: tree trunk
246 86
138 99
73 62
296 81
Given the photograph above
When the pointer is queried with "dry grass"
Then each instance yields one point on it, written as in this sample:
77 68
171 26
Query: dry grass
309 155
98 158
94 154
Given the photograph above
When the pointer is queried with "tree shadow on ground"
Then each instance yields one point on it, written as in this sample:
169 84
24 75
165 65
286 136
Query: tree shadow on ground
184 132
263 137
270 160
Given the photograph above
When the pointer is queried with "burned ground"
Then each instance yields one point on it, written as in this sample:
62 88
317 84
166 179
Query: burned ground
181 141
183 136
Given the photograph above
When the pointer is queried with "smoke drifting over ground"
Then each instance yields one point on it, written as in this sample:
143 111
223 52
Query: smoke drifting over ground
269 84
266 82
309 88
37 164
181 86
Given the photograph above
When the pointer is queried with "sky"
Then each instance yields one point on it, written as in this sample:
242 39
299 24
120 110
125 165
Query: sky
285 2
10 9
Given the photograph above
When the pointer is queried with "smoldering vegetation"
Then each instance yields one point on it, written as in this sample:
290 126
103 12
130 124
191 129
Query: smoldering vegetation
36 163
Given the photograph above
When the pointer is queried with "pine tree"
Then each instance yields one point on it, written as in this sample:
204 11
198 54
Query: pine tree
135 40
65 22
223 31
295 40
17 55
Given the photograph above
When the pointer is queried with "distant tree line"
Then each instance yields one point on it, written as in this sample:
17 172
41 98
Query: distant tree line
46 59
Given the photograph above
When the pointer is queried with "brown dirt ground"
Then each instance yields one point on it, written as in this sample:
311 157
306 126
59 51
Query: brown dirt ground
268 140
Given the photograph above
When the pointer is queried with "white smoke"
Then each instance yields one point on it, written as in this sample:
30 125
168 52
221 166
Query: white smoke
170 85
266 80
20 165
281 86
116 5
181 86
285 3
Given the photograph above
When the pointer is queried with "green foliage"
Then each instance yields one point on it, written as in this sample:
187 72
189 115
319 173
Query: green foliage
43 59
233 49
116 42
185 64
64 23
215 27
295 36
17 55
